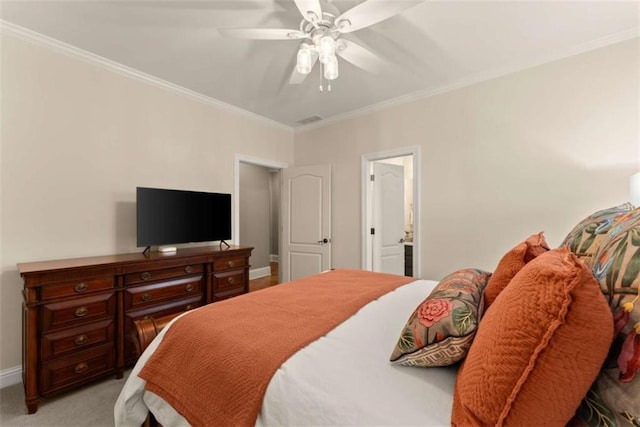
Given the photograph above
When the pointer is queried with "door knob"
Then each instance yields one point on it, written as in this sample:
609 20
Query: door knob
401 241
323 241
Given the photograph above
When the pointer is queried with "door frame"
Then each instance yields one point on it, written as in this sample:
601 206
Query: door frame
241 158
365 200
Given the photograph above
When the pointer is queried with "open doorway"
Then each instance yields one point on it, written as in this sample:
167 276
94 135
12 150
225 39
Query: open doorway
257 216
390 211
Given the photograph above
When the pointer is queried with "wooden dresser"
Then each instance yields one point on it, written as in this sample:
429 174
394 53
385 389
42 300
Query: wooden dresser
78 313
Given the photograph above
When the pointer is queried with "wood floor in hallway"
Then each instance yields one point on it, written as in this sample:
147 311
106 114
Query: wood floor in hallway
265 282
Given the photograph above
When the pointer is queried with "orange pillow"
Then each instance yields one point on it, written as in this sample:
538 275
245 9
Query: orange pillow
511 263
538 349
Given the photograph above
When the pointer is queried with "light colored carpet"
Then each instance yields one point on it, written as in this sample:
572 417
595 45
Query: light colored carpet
91 405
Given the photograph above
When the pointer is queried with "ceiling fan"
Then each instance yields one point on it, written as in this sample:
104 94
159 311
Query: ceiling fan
322 32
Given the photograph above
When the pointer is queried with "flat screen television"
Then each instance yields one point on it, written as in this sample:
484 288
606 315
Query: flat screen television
169 217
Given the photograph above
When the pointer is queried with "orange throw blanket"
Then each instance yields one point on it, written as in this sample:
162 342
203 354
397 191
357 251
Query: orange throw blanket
214 364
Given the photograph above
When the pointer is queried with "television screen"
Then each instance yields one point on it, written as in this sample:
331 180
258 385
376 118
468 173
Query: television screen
167 217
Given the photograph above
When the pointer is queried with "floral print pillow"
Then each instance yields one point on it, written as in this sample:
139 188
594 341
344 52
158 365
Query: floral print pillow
440 330
614 398
590 233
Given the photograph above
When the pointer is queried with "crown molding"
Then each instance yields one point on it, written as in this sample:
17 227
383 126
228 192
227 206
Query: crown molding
25 34
478 78
72 51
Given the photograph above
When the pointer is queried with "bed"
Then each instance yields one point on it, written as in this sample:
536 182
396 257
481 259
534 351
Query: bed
550 337
344 378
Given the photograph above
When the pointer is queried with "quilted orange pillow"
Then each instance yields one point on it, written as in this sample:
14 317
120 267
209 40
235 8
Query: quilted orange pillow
538 349
511 263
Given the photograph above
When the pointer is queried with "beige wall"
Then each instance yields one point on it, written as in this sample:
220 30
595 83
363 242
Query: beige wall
76 141
255 214
535 150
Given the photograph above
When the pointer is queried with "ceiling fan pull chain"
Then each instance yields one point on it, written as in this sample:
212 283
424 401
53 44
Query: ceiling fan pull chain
320 68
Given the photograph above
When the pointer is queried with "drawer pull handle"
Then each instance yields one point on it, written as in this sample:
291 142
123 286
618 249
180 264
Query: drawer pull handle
80 368
188 269
146 317
145 276
81 339
188 287
187 308
81 287
81 311
230 280
230 263
146 296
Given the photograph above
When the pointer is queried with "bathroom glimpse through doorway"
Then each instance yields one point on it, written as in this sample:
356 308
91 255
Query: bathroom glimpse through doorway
390 212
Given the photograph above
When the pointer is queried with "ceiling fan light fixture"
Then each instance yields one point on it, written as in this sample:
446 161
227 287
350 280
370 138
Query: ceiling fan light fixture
331 69
326 48
304 61
321 28
343 24
311 17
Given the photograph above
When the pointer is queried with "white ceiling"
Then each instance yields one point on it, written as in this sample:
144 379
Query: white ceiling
431 47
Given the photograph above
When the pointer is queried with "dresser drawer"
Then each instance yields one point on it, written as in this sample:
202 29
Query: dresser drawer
231 279
78 311
157 293
76 287
70 341
229 263
179 306
76 369
165 273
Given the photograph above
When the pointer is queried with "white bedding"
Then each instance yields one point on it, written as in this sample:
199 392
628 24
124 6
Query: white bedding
343 378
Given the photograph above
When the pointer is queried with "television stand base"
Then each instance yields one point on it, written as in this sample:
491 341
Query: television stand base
167 249
222 242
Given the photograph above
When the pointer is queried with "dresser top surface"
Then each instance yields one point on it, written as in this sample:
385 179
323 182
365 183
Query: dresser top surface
105 260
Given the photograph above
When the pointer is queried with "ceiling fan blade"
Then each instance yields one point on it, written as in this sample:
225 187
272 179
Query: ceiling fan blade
309 8
371 12
262 33
360 57
296 77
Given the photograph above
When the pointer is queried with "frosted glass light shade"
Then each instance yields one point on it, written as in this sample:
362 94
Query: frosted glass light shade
326 48
331 69
304 60
634 189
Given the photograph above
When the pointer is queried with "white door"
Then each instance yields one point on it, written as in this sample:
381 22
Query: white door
306 221
388 218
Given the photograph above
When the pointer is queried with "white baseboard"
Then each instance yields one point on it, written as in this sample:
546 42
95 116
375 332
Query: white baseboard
274 258
10 376
259 272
